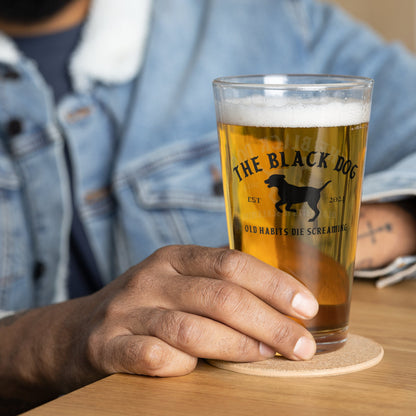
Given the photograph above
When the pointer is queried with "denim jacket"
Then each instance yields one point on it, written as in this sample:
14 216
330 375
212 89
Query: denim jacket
141 129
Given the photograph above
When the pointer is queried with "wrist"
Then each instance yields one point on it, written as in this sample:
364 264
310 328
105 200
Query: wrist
386 231
42 352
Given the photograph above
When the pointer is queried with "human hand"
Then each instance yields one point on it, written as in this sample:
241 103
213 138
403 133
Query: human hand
185 302
385 232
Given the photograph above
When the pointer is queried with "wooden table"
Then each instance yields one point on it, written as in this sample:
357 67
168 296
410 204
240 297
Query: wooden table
388 316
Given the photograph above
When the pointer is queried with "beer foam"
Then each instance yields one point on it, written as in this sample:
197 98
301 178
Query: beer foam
274 111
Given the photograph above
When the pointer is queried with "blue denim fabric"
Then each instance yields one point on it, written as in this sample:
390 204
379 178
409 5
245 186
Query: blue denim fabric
150 183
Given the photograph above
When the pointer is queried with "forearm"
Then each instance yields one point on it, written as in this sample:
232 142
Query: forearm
386 231
37 353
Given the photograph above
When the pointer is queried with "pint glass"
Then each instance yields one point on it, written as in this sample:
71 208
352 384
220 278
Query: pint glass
292 153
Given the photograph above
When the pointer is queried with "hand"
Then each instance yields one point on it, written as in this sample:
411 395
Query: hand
181 303
185 302
385 232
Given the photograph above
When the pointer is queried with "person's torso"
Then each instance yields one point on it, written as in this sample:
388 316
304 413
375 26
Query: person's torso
144 153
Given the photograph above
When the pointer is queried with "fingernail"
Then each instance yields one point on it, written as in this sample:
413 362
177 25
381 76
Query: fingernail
266 351
305 348
305 305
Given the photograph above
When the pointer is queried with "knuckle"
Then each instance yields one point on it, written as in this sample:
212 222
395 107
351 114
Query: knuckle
275 288
228 298
162 252
172 257
140 282
188 332
282 335
230 263
147 357
166 253
180 328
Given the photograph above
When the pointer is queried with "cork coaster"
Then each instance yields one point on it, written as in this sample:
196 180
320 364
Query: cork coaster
359 353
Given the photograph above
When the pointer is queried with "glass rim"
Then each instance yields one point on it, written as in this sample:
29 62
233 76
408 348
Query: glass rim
327 82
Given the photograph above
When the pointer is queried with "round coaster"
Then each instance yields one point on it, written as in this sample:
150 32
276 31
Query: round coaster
357 354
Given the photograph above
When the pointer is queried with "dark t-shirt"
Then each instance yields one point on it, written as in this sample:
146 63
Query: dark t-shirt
51 53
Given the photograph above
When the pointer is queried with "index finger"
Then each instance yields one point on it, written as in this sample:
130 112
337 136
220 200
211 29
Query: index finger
276 287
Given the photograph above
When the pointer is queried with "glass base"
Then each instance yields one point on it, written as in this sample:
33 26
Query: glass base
328 341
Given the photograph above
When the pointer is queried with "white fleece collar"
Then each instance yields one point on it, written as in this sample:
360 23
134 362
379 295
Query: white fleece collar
113 42
9 54
112 45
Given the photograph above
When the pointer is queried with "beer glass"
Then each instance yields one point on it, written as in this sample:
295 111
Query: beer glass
292 153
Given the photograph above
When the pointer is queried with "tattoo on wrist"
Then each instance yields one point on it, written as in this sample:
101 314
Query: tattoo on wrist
372 232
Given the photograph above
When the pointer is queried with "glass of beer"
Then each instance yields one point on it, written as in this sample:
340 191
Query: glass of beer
292 152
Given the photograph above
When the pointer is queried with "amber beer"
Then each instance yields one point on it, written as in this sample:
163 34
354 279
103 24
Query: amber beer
292 174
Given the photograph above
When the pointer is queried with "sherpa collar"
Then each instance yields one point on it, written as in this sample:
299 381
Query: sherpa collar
112 45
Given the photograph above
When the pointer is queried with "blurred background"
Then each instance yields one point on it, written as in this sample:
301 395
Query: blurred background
395 20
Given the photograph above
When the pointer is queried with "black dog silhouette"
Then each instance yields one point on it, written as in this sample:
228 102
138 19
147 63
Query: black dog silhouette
291 194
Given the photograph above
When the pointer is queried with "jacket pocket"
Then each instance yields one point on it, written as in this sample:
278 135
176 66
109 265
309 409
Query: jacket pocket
174 197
